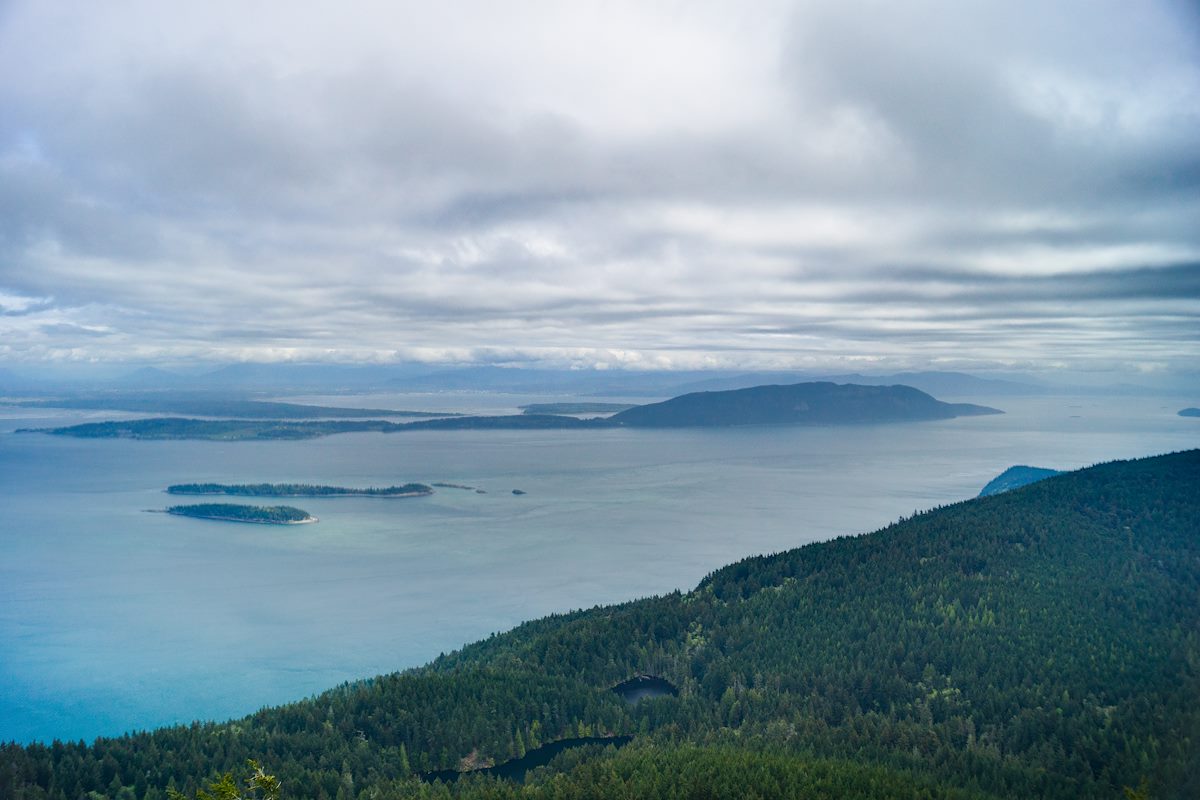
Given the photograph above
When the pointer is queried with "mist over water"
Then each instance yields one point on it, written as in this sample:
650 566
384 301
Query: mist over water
113 619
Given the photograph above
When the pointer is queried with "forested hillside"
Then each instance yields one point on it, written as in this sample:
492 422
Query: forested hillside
1043 642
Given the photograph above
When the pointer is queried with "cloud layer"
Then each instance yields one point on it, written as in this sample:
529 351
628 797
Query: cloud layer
645 184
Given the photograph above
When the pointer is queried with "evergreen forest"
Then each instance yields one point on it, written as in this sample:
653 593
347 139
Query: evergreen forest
236 512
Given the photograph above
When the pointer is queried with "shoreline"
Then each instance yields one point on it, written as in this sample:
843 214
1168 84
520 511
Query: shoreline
307 521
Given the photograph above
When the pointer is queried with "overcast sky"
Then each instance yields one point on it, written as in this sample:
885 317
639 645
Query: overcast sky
1007 185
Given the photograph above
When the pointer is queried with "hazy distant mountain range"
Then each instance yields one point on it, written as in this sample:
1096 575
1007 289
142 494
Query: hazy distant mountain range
283 379
214 404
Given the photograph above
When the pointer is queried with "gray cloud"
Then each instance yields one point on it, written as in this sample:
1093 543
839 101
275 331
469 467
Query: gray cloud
622 184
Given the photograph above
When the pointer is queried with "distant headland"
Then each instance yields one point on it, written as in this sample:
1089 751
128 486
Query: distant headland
1190 412
235 512
1015 478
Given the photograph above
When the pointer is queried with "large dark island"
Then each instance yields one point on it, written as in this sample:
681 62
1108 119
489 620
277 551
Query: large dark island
818 403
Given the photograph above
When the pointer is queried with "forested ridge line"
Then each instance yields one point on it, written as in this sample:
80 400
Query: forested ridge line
1037 643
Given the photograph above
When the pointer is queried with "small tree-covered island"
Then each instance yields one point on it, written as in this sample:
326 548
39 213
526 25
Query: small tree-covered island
236 512
298 490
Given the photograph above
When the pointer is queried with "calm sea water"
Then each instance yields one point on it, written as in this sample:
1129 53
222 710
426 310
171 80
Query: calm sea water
113 619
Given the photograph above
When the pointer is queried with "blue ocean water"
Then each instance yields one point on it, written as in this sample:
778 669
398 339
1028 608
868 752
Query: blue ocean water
114 619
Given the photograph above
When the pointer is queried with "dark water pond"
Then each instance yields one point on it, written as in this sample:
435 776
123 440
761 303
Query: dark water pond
644 687
515 769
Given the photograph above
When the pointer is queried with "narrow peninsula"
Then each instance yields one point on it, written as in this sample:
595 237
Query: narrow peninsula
235 512
298 490
576 408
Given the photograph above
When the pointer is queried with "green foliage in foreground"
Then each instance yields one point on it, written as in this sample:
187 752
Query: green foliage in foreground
1038 643
296 490
259 786
685 771
235 512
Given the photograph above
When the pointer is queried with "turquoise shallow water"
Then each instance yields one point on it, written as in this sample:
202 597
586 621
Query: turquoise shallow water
113 619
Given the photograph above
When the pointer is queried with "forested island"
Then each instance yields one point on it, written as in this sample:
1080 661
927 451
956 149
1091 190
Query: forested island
1190 412
253 430
798 404
224 430
235 512
298 490
1037 643
818 403
1015 478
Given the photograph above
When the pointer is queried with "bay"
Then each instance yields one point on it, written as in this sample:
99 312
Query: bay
113 619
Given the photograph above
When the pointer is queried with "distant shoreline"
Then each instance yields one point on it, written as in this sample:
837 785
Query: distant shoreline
307 521
814 403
